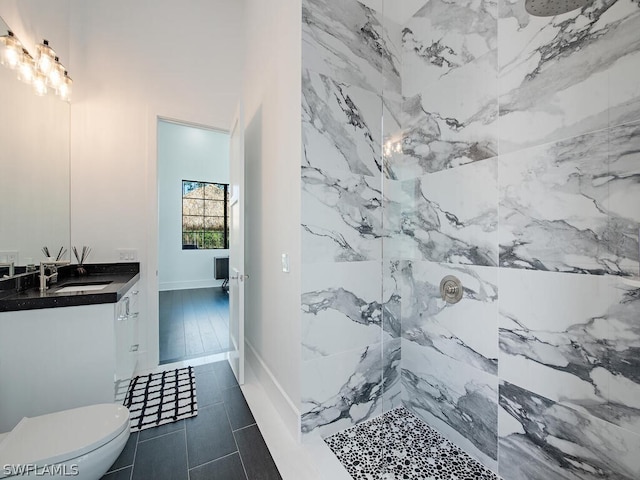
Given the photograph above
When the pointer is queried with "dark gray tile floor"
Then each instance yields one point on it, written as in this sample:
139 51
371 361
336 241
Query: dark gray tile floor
193 323
222 442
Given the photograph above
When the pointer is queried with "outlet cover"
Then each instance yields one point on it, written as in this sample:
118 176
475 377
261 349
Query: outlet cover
127 254
7 256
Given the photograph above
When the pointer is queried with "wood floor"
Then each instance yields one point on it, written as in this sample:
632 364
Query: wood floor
193 323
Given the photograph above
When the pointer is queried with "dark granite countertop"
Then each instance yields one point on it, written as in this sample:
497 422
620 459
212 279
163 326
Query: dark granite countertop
23 293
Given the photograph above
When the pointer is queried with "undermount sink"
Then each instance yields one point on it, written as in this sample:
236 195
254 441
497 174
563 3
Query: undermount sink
87 287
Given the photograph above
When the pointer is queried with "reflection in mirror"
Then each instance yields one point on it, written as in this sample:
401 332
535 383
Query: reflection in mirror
34 166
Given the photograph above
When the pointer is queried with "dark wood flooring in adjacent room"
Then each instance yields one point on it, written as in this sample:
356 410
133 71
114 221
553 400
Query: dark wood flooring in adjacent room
193 323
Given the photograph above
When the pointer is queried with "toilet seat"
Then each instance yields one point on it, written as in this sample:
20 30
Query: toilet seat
61 436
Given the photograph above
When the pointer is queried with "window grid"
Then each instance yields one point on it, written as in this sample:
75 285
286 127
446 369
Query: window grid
205 215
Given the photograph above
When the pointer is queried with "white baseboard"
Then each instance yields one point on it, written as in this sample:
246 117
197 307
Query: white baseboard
295 460
279 398
190 284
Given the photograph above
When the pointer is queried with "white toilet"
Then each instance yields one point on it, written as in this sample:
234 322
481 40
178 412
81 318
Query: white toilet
80 443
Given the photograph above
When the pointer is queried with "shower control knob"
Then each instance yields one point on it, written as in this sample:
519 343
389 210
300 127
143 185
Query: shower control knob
451 289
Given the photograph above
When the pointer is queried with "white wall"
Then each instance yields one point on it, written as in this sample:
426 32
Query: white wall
134 62
272 96
186 153
35 20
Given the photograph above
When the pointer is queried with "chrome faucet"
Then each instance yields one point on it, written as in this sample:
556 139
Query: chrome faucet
53 275
12 267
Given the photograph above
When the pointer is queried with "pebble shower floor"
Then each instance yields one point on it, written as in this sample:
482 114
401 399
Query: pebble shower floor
399 446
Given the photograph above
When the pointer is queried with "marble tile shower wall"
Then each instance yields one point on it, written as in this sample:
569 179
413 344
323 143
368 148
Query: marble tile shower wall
514 165
520 174
350 327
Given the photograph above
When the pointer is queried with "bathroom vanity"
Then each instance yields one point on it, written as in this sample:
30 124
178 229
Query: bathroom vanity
68 347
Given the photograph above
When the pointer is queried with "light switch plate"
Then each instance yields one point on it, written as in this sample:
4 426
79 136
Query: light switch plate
7 256
285 262
127 254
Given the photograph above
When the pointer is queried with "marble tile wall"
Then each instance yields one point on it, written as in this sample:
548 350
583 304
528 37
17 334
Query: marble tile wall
541 225
455 399
351 43
569 206
574 340
450 353
568 187
350 326
449 74
449 216
543 439
564 76
511 160
341 390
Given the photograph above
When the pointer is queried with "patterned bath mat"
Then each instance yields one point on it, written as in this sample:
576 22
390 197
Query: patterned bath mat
160 398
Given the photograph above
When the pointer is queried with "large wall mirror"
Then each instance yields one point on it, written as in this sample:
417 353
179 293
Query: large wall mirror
34 170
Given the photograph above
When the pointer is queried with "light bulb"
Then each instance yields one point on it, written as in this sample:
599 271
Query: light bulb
64 90
12 51
40 84
26 71
45 59
55 75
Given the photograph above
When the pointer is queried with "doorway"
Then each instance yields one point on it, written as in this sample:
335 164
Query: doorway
193 179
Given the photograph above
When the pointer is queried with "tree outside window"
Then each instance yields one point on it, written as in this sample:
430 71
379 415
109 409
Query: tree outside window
205 217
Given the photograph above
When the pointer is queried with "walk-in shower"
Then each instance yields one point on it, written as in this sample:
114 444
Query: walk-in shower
478 141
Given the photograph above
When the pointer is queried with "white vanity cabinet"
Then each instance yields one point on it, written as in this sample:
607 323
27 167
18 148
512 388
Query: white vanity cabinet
54 359
126 332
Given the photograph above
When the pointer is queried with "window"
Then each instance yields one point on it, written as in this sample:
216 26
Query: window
205 217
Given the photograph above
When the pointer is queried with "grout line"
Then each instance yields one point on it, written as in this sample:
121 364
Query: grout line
184 328
163 434
229 388
241 460
186 451
216 459
246 426
236 442
209 404
119 469
135 454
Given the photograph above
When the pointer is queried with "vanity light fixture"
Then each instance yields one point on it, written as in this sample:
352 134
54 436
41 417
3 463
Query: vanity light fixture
45 57
64 89
11 51
40 84
56 74
45 72
26 70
